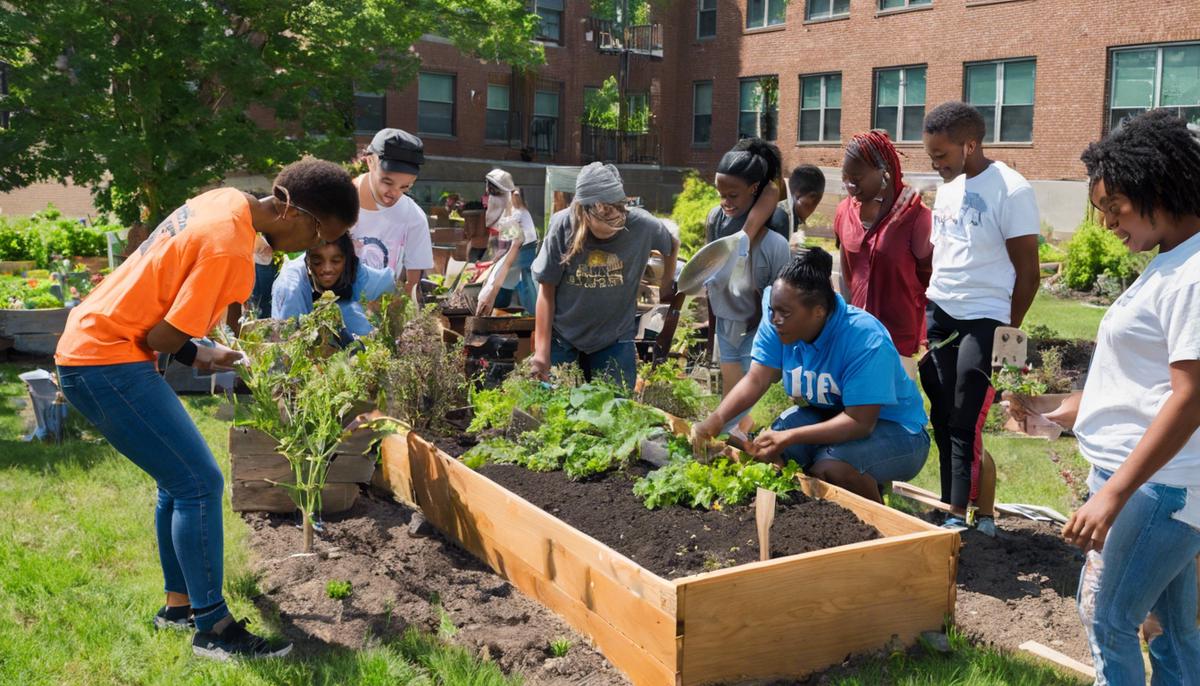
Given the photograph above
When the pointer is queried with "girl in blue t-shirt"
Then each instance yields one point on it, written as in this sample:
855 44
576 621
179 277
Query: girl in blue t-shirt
330 267
863 423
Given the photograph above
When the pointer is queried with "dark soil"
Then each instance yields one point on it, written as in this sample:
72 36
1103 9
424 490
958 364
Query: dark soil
1020 586
394 577
1076 356
678 541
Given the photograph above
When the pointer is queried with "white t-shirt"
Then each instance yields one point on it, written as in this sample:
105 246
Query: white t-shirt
1154 323
389 235
972 219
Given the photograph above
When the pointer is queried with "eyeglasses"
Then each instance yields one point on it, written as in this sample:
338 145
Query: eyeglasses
320 239
608 211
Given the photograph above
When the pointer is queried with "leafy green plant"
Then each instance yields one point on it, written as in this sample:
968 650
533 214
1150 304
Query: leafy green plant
1019 380
664 387
337 589
602 110
690 212
683 481
560 646
1095 251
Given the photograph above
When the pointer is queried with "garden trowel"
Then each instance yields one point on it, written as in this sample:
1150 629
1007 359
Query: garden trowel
695 274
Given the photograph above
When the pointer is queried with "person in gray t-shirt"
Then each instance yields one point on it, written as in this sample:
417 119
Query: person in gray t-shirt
589 268
735 293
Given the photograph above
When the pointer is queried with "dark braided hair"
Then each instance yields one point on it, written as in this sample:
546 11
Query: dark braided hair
1153 159
321 187
809 273
876 149
343 288
752 160
958 120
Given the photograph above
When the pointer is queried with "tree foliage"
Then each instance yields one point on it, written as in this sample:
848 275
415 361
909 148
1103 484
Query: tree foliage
148 101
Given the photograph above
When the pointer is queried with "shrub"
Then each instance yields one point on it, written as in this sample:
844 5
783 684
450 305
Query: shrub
18 246
1094 251
691 209
338 590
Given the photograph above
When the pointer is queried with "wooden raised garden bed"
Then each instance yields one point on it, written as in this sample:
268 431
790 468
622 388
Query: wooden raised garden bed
254 465
34 332
783 617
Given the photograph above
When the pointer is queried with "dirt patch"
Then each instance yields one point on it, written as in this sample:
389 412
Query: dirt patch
1020 586
394 577
677 541
1076 356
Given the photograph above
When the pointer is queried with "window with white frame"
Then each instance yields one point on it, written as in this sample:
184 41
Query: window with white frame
826 9
702 92
435 104
763 13
706 19
369 112
496 126
758 109
1002 91
885 5
1147 77
900 102
550 18
820 108
543 126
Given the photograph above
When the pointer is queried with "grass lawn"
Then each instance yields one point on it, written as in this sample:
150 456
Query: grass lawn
1069 318
79 581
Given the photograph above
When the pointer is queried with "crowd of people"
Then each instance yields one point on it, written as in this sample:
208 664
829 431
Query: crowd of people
910 302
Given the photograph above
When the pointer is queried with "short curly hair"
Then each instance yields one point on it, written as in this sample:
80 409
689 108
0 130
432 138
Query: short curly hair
1153 159
321 187
958 120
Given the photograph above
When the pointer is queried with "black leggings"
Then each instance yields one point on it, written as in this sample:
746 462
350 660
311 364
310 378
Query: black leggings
958 380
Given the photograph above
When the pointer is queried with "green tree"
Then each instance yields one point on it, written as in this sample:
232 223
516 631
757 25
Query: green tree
150 100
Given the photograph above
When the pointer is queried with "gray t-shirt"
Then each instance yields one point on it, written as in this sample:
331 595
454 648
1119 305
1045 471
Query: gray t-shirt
596 299
768 257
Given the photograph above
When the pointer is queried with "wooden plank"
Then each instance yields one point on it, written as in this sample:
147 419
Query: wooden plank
920 495
260 496
245 440
396 470
503 529
275 467
33 321
792 616
35 343
1058 659
889 522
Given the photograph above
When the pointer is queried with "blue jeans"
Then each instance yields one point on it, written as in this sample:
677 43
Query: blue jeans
260 297
617 362
139 414
890 453
526 288
1148 565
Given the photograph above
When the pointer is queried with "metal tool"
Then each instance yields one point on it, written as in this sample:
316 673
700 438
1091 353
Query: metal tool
703 266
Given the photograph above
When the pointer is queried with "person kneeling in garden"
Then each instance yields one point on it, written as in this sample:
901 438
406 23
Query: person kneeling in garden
175 287
864 422
330 267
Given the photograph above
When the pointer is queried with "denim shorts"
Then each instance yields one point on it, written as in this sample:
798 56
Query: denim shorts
889 453
735 342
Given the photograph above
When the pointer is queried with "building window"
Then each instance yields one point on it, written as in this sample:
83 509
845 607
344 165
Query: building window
543 127
758 111
702 92
885 5
369 112
706 19
820 108
550 16
900 102
1156 76
762 13
826 9
1003 94
496 126
435 104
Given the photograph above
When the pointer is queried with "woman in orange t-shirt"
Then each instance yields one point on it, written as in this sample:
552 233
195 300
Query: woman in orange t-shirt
175 287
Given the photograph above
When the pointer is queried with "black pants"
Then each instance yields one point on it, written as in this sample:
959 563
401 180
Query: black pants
958 380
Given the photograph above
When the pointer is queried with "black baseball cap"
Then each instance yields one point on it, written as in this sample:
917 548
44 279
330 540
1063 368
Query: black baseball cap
398 151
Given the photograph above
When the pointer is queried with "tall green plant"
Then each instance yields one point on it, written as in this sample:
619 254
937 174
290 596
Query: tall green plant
691 209
1094 251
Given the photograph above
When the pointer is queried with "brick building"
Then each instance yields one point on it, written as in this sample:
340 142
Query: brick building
1050 76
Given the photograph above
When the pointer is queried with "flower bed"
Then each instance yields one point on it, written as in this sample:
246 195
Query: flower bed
721 625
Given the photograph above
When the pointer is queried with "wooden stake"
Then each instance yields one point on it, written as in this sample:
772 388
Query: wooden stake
1053 656
764 516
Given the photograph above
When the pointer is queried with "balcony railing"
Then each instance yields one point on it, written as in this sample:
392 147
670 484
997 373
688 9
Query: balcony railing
644 39
608 145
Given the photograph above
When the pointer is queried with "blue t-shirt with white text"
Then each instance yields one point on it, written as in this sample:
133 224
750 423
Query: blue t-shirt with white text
852 362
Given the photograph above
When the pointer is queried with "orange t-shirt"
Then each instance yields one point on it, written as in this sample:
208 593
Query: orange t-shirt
188 271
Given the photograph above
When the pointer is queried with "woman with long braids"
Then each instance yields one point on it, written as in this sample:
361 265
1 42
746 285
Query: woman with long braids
175 287
1137 415
882 228
863 423
589 268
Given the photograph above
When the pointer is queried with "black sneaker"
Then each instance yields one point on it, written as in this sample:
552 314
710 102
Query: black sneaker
164 619
235 642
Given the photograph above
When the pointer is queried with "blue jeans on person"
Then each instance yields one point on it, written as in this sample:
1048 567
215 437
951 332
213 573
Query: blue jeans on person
617 362
526 287
889 453
1148 565
136 410
260 297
